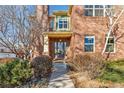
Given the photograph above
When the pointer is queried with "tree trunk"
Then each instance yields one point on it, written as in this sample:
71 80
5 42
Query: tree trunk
42 19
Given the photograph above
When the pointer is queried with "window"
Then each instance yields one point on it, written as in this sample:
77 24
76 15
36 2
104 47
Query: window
110 45
51 24
109 10
88 10
99 10
89 42
2 50
96 10
63 23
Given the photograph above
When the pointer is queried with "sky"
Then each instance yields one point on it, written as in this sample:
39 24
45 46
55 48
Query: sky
57 7
52 8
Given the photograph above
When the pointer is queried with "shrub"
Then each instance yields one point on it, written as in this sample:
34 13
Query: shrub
111 73
14 73
41 65
92 64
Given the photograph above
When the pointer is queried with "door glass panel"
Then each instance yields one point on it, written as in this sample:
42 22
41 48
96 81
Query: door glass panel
60 49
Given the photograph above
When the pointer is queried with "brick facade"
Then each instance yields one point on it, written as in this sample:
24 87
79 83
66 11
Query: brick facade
98 27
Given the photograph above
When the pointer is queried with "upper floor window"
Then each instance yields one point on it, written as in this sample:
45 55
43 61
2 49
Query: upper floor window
63 23
89 43
96 10
99 10
88 10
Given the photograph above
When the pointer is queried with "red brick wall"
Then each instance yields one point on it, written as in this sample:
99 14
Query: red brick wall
96 26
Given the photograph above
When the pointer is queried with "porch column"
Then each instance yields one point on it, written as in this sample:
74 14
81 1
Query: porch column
54 28
46 45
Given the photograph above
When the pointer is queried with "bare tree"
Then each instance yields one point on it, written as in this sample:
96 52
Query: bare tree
12 25
21 31
40 25
111 25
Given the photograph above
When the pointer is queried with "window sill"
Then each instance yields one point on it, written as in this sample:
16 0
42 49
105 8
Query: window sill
89 52
94 17
110 52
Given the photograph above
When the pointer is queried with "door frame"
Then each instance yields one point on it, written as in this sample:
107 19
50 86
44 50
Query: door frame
52 47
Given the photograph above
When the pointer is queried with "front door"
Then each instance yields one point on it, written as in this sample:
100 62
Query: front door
58 47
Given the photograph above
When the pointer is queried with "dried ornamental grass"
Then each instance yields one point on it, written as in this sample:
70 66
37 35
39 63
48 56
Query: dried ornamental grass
91 64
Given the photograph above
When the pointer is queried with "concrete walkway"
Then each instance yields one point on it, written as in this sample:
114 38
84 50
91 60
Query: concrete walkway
59 78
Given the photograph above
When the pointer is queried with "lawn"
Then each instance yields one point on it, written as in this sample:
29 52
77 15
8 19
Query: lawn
114 71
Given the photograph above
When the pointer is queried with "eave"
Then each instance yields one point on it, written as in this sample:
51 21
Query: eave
60 13
59 34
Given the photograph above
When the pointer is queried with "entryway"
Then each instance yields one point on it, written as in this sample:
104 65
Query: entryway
58 47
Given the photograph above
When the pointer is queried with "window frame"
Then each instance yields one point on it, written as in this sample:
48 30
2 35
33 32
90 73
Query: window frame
51 24
98 8
63 19
114 49
88 8
91 36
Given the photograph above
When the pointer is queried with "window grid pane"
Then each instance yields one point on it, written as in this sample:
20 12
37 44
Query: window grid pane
88 48
88 6
110 45
89 12
60 26
108 6
89 40
97 10
110 48
89 44
98 6
65 25
63 22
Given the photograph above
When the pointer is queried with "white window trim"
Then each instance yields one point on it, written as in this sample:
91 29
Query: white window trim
90 44
114 46
63 29
99 9
104 10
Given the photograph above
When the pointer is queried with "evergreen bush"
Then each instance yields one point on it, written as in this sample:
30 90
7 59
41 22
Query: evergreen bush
14 73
